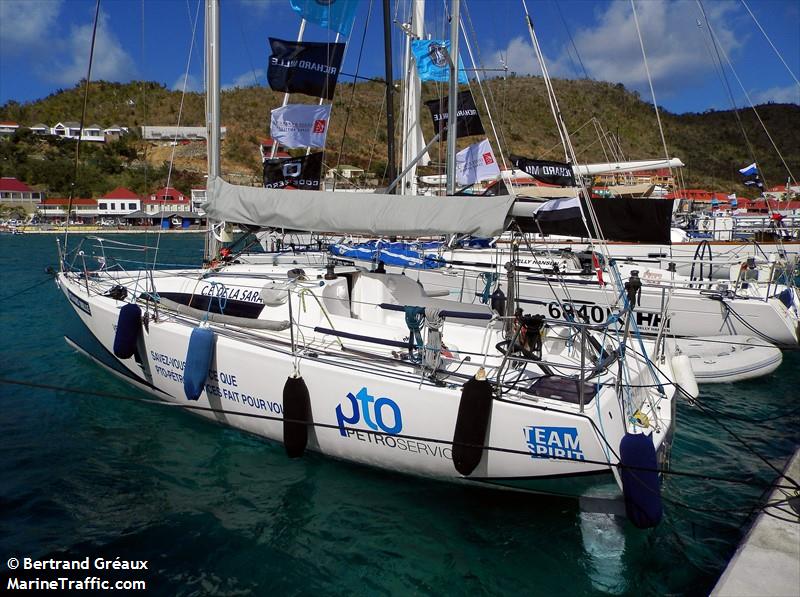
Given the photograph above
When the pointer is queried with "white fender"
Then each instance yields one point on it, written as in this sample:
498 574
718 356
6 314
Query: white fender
684 376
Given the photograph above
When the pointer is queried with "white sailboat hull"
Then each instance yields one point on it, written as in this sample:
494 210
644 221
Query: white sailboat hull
371 414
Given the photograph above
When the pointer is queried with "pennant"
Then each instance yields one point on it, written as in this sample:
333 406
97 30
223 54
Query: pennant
300 125
336 15
304 172
432 64
305 67
750 176
555 173
468 120
476 163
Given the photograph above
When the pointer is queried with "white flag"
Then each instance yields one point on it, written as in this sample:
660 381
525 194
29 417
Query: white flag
476 163
300 125
732 197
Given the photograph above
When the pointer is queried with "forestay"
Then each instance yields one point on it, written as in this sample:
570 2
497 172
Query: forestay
367 213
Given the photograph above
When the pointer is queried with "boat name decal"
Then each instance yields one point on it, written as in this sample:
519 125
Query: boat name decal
82 304
649 321
235 294
554 442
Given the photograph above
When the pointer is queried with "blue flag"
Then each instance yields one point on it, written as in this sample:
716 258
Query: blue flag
337 15
431 58
750 176
749 170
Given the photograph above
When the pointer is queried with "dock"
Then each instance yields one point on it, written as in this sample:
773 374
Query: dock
767 561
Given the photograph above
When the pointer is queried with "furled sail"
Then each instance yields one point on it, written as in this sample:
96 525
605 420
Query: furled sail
365 213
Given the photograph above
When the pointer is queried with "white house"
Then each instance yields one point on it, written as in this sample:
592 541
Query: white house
119 202
40 129
8 128
115 131
71 130
346 171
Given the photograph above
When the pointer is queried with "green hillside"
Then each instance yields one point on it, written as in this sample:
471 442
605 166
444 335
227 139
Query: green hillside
711 144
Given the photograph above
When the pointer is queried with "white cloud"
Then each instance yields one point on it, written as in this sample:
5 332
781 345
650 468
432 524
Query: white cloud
677 47
780 95
675 37
194 83
110 62
248 79
518 57
25 25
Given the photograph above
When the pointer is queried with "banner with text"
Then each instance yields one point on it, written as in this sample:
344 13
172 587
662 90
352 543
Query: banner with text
304 172
305 67
468 120
555 173
476 163
300 125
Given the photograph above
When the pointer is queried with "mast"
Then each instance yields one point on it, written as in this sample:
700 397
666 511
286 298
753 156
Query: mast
411 137
212 87
391 170
452 103
212 110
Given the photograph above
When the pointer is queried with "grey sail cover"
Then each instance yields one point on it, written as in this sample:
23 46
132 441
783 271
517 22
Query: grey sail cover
366 213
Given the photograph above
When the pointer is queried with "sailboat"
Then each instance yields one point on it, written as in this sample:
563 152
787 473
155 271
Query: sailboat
367 367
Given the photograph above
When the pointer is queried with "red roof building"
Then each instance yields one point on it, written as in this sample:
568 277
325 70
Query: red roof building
119 202
13 190
166 199
121 193
55 208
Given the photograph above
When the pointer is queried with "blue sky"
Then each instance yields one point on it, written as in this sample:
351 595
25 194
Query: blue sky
44 43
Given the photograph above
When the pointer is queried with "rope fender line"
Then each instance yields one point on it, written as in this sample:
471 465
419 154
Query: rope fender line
199 408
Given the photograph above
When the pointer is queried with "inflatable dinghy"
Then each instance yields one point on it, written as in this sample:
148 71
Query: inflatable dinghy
725 359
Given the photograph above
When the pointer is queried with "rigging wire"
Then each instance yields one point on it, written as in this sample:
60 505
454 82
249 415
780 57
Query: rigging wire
353 92
777 53
177 129
652 91
83 121
571 40
713 36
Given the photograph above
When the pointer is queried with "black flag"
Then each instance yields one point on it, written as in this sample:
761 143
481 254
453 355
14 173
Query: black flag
304 67
301 173
556 173
468 120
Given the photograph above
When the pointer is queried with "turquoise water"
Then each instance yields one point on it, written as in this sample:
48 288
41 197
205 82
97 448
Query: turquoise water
219 512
